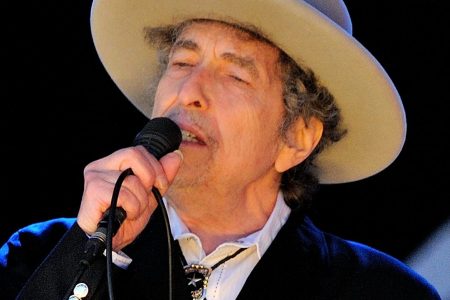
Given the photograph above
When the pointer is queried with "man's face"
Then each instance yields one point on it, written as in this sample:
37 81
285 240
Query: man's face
224 90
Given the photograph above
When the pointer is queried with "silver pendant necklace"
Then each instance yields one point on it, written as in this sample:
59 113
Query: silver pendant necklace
197 275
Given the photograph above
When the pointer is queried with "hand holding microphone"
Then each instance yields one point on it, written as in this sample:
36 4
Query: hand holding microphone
153 165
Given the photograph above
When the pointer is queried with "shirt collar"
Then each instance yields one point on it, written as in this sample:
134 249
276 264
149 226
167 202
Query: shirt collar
261 238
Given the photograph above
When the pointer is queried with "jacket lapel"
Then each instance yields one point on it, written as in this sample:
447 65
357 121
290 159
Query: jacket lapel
291 266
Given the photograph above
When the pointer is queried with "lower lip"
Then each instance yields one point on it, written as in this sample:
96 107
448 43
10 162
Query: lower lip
192 144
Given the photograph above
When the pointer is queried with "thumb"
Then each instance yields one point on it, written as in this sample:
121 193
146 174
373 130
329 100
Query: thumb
171 163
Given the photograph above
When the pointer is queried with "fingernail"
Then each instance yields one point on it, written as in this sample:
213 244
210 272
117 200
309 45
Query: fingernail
180 154
161 182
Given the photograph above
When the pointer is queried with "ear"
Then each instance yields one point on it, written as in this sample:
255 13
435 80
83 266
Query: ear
300 141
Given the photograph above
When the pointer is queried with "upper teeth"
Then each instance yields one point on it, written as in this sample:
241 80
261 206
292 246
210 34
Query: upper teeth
188 136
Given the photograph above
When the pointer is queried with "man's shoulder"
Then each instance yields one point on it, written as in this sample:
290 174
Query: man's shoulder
24 251
48 226
42 230
40 236
366 269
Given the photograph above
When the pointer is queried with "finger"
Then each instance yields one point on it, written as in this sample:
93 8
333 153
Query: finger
99 189
160 179
142 163
171 163
134 197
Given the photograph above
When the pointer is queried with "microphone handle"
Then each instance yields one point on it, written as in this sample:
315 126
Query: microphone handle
97 241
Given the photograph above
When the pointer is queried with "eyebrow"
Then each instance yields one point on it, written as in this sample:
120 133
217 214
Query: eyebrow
185 44
246 63
243 62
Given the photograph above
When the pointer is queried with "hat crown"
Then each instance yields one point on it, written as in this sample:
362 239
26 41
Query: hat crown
336 10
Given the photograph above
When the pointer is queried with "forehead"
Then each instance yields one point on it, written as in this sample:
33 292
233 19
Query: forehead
237 35
234 44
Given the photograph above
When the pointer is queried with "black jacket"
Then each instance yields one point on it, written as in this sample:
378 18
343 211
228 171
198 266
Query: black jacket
302 263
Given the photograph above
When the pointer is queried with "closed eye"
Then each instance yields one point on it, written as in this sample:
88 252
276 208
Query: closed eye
238 79
181 64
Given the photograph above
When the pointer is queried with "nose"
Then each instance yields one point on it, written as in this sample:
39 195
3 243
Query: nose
193 89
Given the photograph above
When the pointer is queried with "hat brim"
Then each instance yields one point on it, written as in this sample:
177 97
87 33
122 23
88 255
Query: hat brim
370 105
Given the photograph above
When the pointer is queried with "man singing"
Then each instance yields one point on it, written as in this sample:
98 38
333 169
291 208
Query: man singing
272 98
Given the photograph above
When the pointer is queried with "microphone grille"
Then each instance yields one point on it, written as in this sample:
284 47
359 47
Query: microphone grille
159 136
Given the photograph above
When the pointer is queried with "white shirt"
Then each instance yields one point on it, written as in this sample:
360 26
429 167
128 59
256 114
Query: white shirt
227 280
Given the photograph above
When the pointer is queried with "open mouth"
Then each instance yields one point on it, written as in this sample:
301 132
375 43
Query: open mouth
189 137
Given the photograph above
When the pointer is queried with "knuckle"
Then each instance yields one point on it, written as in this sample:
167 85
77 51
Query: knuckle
132 151
89 175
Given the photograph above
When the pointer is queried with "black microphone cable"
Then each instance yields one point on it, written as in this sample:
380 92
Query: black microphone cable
109 236
102 238
112 231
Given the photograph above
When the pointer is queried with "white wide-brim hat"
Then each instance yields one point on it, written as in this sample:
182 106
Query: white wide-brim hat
316 33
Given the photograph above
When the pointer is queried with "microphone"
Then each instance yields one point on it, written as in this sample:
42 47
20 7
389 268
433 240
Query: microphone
159 136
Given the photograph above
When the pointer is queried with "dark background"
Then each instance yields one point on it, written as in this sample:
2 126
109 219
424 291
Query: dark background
61 111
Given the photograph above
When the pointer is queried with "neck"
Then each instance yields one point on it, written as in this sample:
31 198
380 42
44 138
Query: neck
224 217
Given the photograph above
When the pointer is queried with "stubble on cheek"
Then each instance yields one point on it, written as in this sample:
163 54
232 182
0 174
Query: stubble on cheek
197 168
